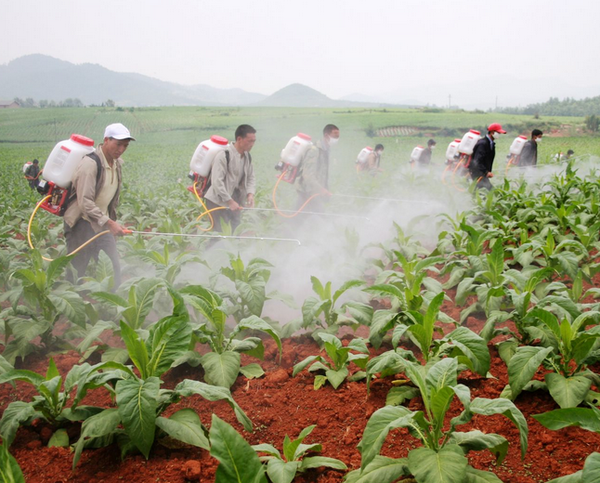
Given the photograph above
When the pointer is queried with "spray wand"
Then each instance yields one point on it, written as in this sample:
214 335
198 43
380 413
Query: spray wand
191 235
396 200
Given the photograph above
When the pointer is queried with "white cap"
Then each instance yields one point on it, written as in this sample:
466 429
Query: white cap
117 131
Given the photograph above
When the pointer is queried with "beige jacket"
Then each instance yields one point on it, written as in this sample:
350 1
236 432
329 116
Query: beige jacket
314 170
231 181
83 195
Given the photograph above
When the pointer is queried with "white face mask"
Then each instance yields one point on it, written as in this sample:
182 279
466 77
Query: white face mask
333 141
496 135
378 153
538 140
432 147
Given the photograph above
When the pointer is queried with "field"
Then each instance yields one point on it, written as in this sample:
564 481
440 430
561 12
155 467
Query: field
429 332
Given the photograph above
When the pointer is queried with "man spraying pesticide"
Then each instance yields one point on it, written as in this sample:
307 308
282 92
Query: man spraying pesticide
83 185
482 160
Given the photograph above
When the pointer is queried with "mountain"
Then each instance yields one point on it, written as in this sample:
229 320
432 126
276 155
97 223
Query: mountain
298 95
44 77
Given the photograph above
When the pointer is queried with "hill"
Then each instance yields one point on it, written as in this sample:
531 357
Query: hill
44 77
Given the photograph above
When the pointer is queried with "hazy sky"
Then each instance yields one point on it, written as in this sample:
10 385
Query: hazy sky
398 49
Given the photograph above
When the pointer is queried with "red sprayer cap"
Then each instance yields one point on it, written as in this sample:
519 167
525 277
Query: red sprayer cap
457 140
475 132
523 137
219 140
78 138
369 148
306 137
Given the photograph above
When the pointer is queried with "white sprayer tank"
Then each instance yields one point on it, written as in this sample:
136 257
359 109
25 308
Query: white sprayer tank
295 149
364 154
452 150
64 158
416 154
517 145
205 153
468 142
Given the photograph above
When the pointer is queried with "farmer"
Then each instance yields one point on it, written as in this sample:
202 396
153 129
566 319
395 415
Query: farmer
232 179
529 153
94 199
482 160
425 157
32 174
313 173
374 160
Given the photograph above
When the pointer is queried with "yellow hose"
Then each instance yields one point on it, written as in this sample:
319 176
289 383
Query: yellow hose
275 200
510 163
448 166
206 211
74 251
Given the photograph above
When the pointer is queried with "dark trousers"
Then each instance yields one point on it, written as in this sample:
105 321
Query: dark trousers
481 178
231 217
82 232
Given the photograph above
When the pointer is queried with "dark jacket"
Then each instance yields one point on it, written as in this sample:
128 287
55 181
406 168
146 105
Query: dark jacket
529 154
425 157
483 157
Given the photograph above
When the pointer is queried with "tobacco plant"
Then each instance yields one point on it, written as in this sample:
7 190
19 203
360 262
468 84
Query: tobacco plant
223 363
284 468
319 314
137 420
443 454
567 349
45 299
336 371
10 472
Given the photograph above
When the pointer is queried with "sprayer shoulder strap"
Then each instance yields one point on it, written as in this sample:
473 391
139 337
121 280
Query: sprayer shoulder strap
96 158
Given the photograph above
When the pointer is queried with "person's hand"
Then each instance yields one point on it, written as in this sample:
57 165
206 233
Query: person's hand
490 175
233 206
250 200
115 228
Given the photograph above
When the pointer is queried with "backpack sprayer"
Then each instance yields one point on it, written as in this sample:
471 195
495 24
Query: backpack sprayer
465 153
292 155
362 158
415 156
515 150
451 157
58 172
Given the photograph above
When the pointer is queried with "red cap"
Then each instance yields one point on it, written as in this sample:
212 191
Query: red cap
496 127
78 138
219 140
306 137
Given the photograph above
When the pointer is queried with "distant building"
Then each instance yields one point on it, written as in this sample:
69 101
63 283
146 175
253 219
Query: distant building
9 104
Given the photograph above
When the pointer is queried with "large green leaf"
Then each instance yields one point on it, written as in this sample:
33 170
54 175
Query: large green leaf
71 305
479 476
523 365
187 387
221 369
568 392
97 426
141 299
137 401
448 465
476 354
239 463
318 461
561 418
135 348
379 425
380 470
10 472
185 425
336 377
477 441
442 374
280 471
168 338
14 415
256 323
487 407
591 469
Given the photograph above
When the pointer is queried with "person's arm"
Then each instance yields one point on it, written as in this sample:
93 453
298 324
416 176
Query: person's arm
250 186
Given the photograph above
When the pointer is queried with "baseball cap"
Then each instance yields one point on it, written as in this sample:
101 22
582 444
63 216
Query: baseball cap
496 127
117 131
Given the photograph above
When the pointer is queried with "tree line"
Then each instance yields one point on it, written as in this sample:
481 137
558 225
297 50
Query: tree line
69 102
